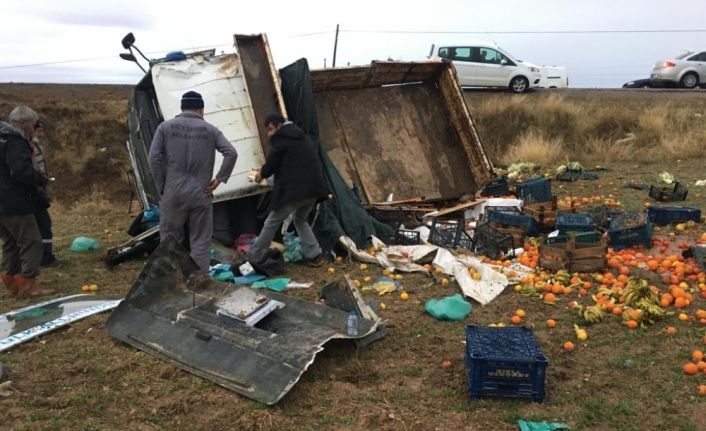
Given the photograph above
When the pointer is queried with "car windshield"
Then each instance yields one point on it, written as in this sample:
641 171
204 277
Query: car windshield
682 56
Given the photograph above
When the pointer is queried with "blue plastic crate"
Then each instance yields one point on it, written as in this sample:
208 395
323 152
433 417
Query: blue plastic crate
669 194
630 229
666 215
491 243
496 188
574 222
446 233
504 362
535 191
524 222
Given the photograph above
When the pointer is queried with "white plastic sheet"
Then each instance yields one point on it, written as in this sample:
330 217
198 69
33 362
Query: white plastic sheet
407 258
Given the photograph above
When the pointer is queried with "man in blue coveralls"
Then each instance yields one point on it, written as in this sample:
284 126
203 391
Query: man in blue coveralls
182 158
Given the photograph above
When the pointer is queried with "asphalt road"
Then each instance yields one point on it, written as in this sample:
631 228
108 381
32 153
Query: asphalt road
617 93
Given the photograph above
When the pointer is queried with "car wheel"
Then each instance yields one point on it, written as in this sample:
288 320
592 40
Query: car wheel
519 84
690 80
645 86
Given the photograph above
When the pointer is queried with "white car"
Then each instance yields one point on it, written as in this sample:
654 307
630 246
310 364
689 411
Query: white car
688 70
484 64
554 77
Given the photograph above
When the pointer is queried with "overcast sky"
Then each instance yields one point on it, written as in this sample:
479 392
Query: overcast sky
44 31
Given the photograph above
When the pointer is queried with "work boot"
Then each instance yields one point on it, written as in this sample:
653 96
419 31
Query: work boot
28 287
9 282
316 262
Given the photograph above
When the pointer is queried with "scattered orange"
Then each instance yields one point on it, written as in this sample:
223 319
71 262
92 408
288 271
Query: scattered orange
520 312
568 346
690 369
671 330
702 390
678 292
632 324
680 302
516 320
683 317
551 323
701 365
697 355
550 298
617 311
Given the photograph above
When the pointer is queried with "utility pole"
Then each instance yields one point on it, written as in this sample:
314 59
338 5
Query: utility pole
335 48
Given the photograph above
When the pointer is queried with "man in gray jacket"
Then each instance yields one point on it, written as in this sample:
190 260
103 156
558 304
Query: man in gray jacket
182 157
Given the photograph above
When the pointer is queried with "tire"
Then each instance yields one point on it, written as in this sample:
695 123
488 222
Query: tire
689 80
519 84
645 86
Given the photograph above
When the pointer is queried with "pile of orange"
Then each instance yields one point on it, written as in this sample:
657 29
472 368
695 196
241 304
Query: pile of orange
530 257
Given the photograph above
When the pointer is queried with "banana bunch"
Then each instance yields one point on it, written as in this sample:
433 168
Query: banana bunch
531 291
590 315
581 334
638 292
562 277
652 312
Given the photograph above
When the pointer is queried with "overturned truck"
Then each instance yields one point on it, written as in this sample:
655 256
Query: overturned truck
387 129
398 130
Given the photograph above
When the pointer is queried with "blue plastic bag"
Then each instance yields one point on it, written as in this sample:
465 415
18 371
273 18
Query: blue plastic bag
83 244
293 250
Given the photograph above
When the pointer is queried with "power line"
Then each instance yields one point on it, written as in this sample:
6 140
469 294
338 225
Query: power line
526 31
80 60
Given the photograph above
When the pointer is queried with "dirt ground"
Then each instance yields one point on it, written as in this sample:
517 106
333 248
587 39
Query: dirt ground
80 378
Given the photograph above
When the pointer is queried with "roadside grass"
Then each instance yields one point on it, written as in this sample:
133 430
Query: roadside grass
535 147
546 127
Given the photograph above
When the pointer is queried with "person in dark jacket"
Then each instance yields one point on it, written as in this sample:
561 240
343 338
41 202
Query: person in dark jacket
19 199
299 184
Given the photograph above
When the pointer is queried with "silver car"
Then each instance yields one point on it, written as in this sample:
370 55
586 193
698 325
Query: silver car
688 70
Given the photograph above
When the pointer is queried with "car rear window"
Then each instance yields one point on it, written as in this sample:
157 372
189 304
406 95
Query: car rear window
683 56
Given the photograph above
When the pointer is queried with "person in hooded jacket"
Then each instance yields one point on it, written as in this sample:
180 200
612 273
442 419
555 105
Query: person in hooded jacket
299 184
19 200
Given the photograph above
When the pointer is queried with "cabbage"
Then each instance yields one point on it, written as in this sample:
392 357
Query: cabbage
666 178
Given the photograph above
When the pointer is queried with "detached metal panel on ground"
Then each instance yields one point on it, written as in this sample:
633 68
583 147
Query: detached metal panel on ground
401 128
170 314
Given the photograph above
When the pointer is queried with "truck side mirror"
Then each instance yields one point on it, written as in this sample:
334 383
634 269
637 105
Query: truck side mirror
128 40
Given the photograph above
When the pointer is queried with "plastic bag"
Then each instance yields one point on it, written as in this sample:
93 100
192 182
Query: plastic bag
83 244
450 308
293 252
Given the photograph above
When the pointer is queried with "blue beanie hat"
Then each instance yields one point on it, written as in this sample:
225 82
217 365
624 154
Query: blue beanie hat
191 100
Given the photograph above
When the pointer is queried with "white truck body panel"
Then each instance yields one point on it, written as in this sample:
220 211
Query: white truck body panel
221 82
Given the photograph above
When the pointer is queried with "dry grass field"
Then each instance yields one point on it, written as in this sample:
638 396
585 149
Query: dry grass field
551 127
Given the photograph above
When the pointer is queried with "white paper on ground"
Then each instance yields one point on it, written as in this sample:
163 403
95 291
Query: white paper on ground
295 285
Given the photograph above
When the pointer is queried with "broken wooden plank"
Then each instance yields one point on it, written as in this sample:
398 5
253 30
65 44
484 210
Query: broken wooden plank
453 209
400 202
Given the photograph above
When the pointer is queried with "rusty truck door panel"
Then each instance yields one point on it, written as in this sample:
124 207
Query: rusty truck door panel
261 79
400 128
